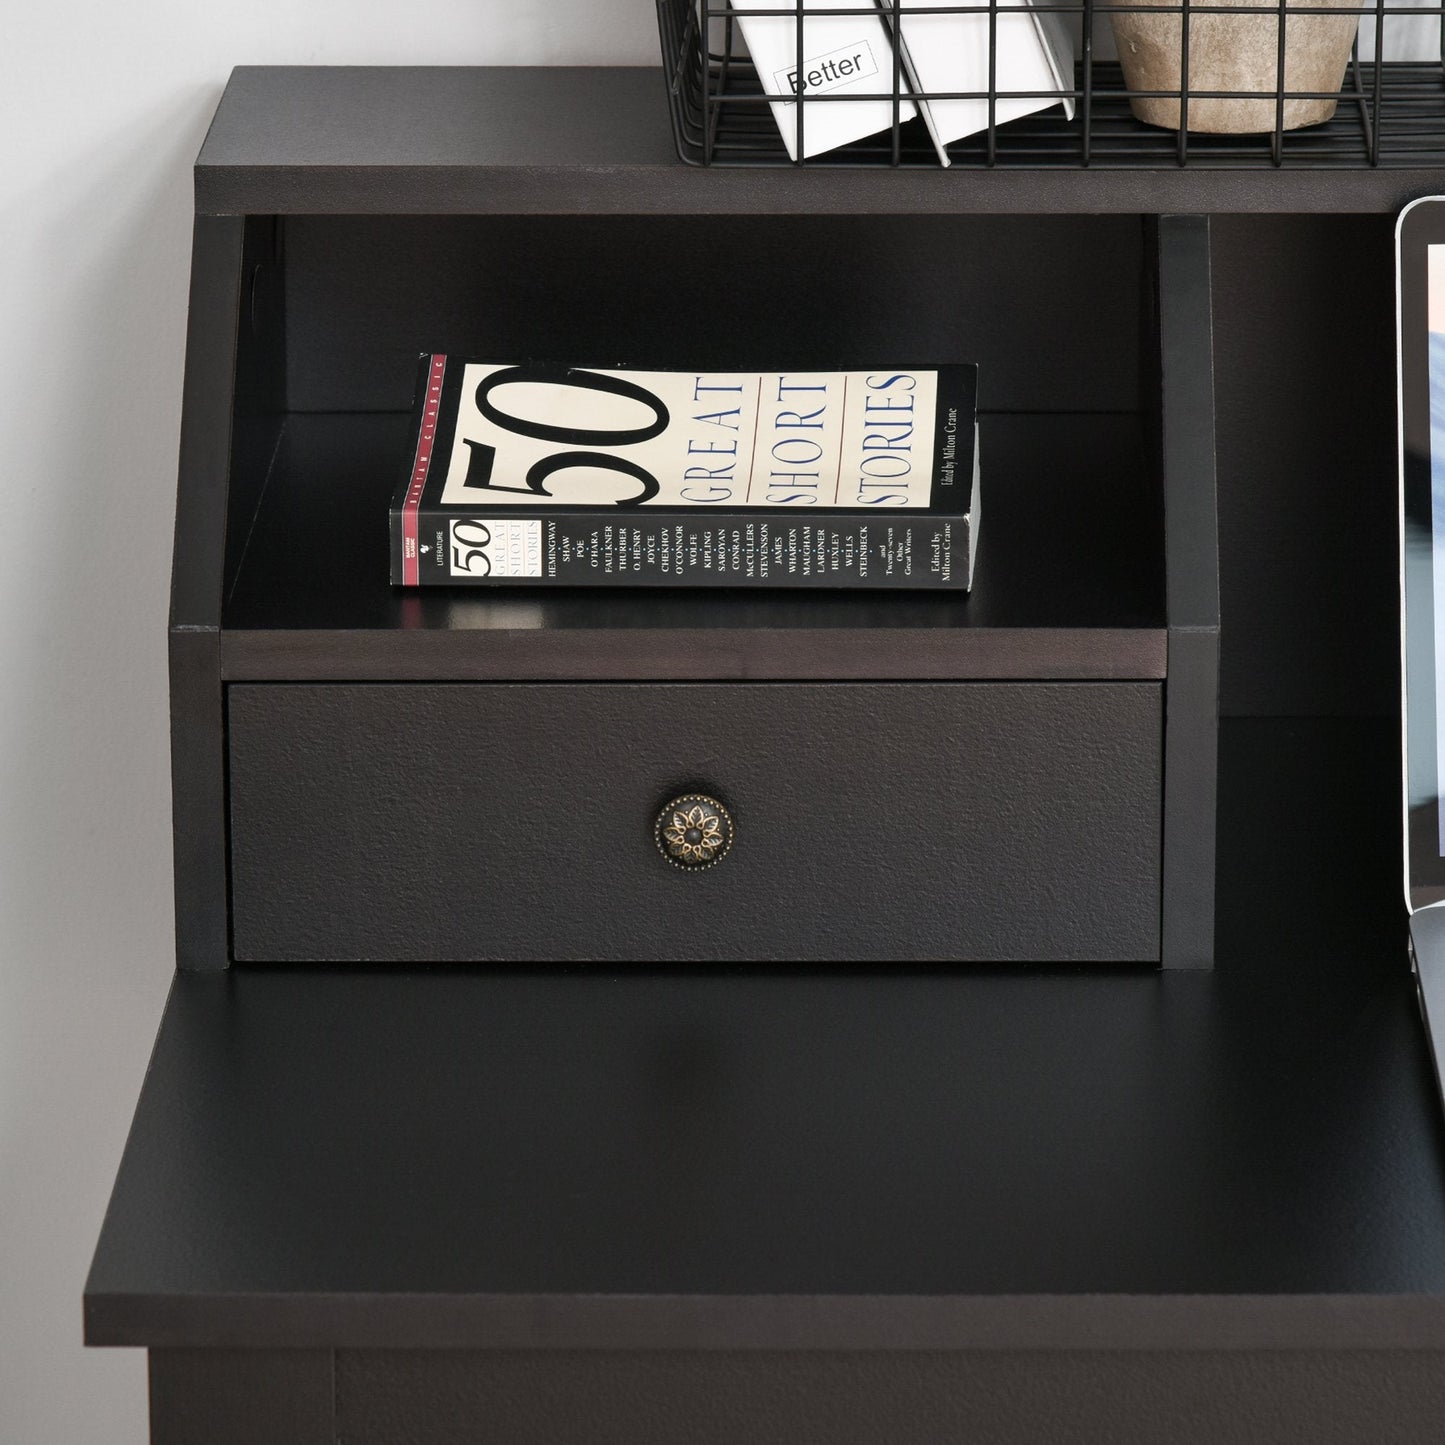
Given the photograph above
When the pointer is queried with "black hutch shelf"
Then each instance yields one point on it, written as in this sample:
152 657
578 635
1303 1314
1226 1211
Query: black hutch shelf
319 266
372 1181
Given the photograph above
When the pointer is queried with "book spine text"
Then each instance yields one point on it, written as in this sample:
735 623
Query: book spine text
645 547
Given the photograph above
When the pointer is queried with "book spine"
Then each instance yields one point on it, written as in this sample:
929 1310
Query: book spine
650 547
406 517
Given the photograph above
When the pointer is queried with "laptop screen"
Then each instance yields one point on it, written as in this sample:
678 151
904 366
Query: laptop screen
1420 238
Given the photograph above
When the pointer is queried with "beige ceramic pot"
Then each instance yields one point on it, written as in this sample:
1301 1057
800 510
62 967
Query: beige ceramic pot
1235 52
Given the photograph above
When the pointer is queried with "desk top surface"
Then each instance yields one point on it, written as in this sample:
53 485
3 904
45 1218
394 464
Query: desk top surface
751 1158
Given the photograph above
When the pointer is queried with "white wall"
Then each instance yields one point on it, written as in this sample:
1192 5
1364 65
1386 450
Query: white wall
102 108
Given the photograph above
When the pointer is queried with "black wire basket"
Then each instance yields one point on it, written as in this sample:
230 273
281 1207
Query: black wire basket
1383 113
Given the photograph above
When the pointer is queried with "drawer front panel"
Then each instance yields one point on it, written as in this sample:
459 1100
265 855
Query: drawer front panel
470 822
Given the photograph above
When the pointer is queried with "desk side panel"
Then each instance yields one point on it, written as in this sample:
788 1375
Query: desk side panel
198 773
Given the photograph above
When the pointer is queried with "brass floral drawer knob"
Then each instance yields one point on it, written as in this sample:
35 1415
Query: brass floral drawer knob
694 831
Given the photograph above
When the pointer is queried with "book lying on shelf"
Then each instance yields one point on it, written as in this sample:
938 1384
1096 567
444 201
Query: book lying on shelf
612 476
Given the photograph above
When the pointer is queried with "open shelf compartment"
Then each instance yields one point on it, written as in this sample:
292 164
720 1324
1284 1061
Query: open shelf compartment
334 310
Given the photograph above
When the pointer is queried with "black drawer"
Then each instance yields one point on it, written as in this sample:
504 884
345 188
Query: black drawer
488 821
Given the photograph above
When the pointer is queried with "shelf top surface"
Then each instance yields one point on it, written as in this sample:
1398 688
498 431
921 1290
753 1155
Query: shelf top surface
754 1158
568 140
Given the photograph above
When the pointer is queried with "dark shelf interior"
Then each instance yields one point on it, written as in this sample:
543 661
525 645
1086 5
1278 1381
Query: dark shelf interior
336 309
448 1156
1069 541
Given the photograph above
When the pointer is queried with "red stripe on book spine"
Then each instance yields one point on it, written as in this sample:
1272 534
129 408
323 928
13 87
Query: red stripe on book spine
411 507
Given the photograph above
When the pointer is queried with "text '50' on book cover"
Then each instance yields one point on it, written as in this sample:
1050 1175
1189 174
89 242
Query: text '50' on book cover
613 476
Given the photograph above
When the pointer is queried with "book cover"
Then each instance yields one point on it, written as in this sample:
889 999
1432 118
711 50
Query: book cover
843 55
614 476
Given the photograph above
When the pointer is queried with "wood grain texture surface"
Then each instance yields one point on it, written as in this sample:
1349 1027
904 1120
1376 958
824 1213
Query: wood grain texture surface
1191 725
888 822
562 140
1084 1398
242 1397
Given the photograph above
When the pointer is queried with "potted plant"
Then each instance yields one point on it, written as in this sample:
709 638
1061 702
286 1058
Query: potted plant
1236 52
